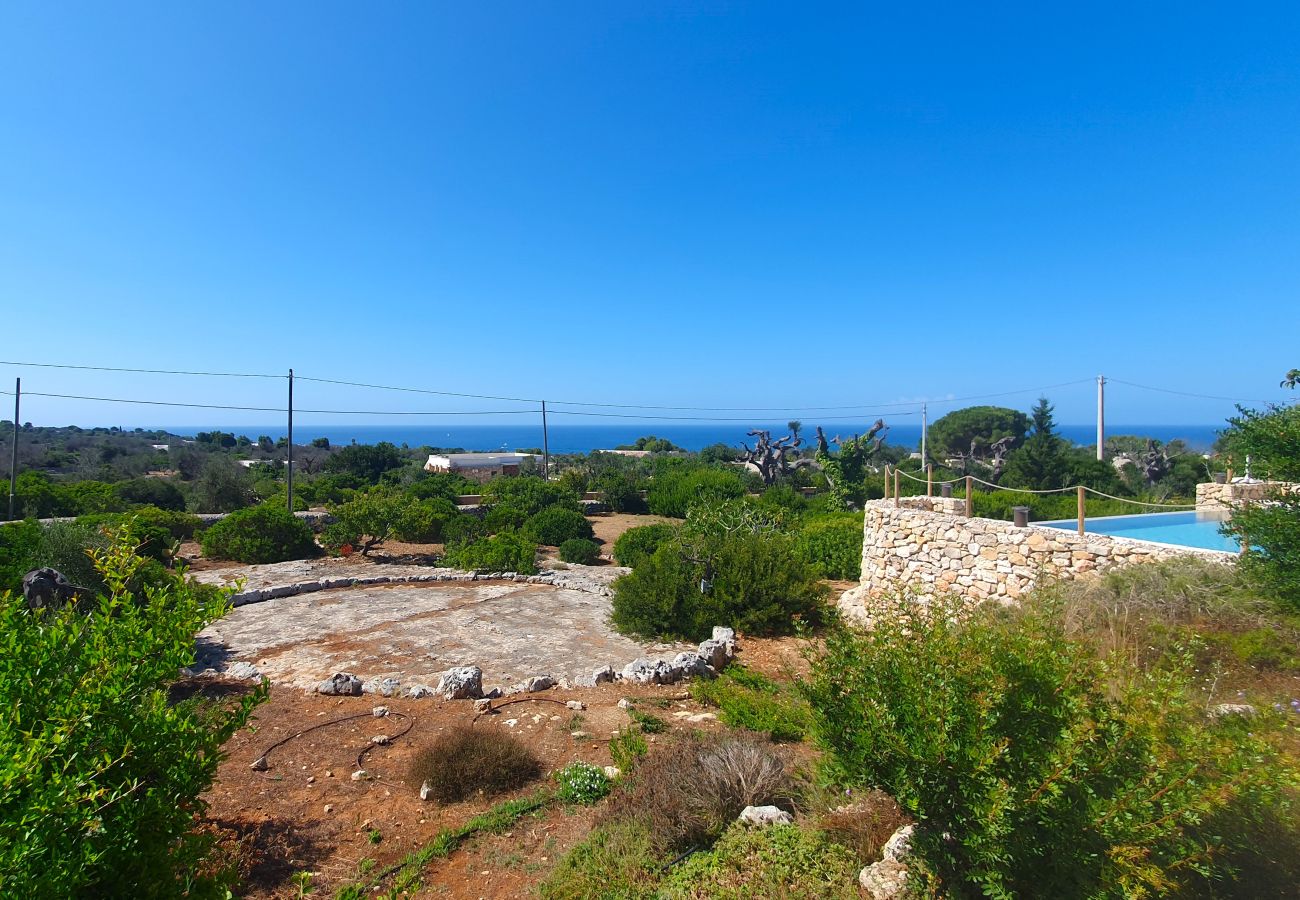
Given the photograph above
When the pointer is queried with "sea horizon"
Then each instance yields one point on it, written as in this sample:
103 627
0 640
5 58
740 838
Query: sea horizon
573 438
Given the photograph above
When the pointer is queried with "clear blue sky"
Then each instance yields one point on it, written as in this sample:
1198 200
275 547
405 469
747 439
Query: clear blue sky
717 204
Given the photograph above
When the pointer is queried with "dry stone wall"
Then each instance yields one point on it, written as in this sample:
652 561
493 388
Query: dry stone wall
1226 496
911 546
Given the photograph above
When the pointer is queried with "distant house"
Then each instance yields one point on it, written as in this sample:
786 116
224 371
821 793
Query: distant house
478 466
635 454
161 447
249 463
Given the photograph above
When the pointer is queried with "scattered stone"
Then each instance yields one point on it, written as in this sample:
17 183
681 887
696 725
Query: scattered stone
461 683
389 687
539 683
494 694
243 671
887 879
340 684
724 634
763 816
612 772
575 704
426 791
650 671
419 691
716 653
329 808
379 712
625 703
579 735
360 775
692 664
260 764
482 705
1223 710
381 740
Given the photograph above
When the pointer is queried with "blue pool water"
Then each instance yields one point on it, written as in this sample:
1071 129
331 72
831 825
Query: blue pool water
1184 529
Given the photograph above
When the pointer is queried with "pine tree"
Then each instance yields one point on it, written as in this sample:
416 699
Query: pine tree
1040 464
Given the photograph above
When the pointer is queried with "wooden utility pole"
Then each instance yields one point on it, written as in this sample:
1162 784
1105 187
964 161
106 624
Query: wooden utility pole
13 458
1101 417
546 447
289 459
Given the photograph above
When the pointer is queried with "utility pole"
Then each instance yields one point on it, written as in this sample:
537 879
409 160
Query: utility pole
546 447
13 459
289 474
1101 418
925 420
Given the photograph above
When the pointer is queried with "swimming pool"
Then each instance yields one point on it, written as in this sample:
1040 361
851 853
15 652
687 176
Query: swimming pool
1182 529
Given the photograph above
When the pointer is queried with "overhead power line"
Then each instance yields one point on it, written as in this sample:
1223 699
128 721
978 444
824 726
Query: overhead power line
1147 387
280 409
138 371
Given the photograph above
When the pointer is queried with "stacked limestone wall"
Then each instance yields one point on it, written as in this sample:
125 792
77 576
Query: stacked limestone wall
980 559
1226 496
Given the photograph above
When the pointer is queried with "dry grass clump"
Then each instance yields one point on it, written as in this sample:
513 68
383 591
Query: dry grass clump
864 824
688 793
467 761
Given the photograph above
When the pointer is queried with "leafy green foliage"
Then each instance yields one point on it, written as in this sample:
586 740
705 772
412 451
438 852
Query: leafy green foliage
424 522
832 545
582 783
505 552
555 525
463 761
1272 559
580 551
529 494
622 491
675 489
754 702
1041 463
753 582
222 486
616 861
260 534
978 426
19 542
651 443
779 861
627 747
1054 773
636 545
1270 437
108 809
366 520
160 493
366 462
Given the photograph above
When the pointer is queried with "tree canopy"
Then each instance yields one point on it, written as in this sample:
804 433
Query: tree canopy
971 431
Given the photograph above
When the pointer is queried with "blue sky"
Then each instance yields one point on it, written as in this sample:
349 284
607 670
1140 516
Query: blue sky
705 204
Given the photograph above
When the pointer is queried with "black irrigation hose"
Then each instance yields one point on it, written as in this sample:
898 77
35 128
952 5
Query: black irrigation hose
410 723
261 764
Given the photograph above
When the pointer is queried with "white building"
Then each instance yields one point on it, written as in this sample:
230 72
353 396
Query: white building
479 466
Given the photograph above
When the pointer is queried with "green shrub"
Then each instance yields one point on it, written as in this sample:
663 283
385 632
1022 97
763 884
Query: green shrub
754 702
68 547
555 525
1272 532
674 490
614 862
504 517
751 582
832 545
779 861
650 723
636 545
506 552
529 494
108 810
152 541
366 521
259 534
580 552
18 545
622 491
1035 769
582 783
464 529
423 522
459 763
156 492
627 747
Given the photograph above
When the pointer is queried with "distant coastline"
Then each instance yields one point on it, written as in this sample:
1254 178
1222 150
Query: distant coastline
569 438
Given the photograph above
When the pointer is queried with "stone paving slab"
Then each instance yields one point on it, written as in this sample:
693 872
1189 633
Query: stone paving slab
414 632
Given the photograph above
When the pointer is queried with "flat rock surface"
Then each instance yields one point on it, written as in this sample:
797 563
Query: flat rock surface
414 632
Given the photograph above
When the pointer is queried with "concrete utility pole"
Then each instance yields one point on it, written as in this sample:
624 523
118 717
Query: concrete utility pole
13 459
1101 418
546 446
289 473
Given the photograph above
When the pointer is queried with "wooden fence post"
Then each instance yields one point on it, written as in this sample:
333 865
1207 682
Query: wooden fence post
929 479
970 497
896 487
1082 508
886 481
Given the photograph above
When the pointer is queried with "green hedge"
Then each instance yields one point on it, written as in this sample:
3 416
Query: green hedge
555 525
636 545
832 545
674 490
505 552
580 551
260 534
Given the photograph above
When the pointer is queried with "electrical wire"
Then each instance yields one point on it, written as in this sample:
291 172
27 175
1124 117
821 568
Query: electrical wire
4 362
1147 387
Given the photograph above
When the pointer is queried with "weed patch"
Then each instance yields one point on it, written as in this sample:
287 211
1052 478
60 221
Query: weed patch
465 761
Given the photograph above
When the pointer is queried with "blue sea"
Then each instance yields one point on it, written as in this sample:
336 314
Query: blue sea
568 438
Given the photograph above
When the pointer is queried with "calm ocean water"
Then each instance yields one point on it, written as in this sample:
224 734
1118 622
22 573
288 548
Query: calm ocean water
566 438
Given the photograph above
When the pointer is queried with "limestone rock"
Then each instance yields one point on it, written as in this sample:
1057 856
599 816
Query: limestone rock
538 683
716 653
482 705
575 704
425 791
763 816
1223 710
419 691
612 772
242 671
461 683
724 634
379 712
340 684
651 671
692 664
887 879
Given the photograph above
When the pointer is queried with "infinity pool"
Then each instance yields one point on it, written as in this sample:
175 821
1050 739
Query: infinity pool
1182 529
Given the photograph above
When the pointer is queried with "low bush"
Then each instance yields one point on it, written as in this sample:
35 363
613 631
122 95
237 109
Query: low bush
504 517
636 545
529 494
616 861
555 525
674 490
506 552
580 552
68 547
622 491
754 702
784 861
424 522
687 793
463 529
18 545
259 534
1036 768
751 582
832 545
627 747
582 783
109 810
862 821
152 541
1272 534
159 493
467 761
